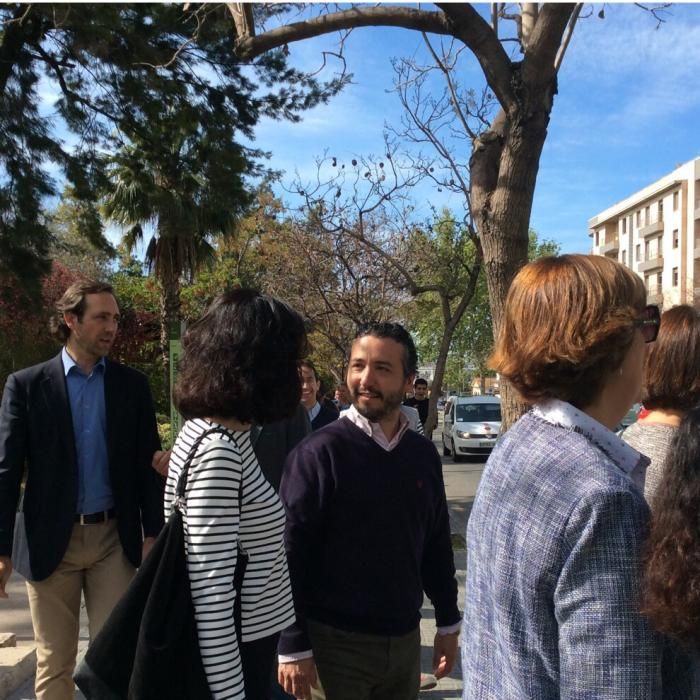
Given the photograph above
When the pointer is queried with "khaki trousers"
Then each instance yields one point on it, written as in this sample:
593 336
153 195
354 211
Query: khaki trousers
95 565
354 666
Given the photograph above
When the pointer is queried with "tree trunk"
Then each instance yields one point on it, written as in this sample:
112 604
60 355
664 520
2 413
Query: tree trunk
504 171
440 364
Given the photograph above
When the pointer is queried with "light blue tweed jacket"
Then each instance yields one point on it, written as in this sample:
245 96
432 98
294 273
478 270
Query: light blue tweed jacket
552 602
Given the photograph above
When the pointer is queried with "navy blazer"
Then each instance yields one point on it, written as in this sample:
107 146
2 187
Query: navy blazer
36 429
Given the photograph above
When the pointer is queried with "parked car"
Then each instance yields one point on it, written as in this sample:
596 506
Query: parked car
471 425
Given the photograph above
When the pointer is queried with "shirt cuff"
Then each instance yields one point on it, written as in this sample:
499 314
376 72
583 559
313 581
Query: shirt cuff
298 656
450 629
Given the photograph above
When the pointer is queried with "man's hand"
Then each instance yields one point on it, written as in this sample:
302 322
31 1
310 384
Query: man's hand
297 677
161 461
444 653
5 571
148 542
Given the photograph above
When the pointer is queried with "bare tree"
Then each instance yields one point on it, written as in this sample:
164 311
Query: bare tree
503 158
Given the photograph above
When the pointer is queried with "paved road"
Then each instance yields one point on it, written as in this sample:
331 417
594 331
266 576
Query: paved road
461 481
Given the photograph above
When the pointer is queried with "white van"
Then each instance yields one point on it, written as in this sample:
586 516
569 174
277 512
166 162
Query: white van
471 425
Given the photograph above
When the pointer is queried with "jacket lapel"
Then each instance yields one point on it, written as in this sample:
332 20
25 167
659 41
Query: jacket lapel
56 396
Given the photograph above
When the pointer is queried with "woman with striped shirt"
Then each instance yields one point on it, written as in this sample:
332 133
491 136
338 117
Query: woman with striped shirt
239 364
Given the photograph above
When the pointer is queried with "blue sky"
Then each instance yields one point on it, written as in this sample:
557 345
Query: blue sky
626 113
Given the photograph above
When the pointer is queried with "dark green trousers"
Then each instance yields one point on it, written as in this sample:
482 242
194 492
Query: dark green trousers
355 666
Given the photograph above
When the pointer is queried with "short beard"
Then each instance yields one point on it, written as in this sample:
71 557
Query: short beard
389 404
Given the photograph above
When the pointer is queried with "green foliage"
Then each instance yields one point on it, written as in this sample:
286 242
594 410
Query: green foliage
472 342
157 83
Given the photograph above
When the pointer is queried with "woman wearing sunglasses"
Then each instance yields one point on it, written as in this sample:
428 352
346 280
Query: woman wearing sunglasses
671 388
554 539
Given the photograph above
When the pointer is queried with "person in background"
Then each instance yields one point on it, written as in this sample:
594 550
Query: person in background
85 428
367 533
239 364
420 400
671 387
672 566
341 398
555 536
319 413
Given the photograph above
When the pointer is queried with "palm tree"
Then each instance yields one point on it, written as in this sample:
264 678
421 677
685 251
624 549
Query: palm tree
182 187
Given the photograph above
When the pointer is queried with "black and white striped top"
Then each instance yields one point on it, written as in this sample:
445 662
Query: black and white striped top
213 526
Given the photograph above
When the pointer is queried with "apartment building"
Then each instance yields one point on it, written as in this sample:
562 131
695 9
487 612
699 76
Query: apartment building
656 233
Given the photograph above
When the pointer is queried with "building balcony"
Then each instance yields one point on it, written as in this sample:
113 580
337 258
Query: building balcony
696 250
610 248
697 210
652 228
656 263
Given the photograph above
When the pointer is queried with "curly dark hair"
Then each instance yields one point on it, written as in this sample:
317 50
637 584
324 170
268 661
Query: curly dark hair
672 563
240 360
398 333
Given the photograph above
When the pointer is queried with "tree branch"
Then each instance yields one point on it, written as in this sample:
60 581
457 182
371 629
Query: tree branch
569 32
249 47
469 26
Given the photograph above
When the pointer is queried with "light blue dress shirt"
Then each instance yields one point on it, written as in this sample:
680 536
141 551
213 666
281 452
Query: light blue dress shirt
86 395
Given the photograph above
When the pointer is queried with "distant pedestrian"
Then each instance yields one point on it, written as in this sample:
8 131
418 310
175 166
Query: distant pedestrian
320 413
420 400
555 536
367 533
341 398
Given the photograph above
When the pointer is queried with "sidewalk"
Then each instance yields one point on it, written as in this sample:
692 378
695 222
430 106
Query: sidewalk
461 481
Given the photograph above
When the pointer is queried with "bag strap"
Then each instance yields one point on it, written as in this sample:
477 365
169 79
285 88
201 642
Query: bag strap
182 479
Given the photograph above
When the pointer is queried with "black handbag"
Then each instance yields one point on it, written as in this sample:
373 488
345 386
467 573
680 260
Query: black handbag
148 647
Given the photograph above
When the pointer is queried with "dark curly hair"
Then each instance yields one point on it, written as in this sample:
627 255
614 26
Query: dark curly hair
568 323
398 333
672 566
240 360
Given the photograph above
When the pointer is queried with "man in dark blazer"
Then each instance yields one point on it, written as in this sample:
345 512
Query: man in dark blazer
85 430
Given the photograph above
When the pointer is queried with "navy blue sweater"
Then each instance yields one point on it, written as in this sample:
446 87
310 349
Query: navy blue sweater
367 532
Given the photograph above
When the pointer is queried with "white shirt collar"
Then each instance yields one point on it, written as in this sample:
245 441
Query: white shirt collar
565 415
374 430
314 411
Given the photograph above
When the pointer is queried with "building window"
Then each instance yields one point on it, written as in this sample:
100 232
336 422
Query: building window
637 252
639 218
624 257
597 238
675 276
624 224
646 216
675 201
658 283
646 250
661 210
647 283
675 238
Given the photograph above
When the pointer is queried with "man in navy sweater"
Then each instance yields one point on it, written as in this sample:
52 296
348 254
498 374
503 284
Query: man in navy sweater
367 533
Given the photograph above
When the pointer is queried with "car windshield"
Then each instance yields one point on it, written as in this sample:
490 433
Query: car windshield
475 412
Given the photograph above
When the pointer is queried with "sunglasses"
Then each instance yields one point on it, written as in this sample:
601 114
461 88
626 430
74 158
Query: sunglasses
649 323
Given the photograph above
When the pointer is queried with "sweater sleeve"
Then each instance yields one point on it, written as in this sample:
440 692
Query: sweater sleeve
606 646
438 568
303 492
